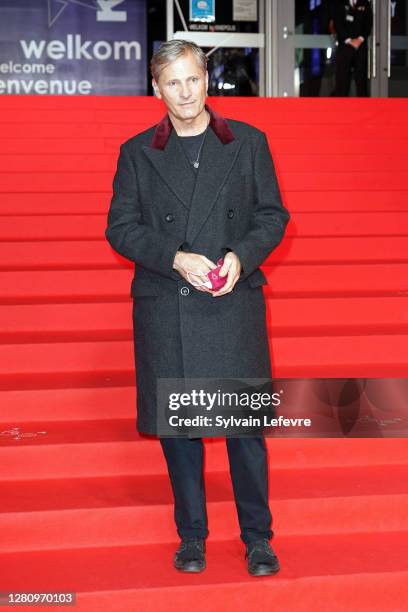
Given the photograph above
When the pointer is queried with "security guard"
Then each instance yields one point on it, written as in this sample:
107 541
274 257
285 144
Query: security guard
353 20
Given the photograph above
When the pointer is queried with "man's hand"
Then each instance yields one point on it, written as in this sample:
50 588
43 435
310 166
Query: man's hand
356 42
232 267
197 265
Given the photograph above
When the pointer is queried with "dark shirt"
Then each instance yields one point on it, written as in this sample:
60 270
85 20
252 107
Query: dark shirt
191 146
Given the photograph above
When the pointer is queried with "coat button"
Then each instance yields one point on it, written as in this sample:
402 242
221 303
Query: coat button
230 213
169 217
184 291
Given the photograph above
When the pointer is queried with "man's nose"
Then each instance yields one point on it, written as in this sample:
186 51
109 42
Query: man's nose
185 91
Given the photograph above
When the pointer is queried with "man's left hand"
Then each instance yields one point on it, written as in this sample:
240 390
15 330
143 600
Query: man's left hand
232 268
356 42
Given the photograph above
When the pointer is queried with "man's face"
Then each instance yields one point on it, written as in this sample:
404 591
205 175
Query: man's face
183 87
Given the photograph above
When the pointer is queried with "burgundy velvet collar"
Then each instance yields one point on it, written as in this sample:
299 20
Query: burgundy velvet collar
217 122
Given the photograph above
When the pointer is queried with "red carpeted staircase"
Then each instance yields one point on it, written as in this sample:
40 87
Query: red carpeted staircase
86 503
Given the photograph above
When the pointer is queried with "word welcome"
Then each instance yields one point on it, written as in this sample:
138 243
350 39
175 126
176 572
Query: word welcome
76 49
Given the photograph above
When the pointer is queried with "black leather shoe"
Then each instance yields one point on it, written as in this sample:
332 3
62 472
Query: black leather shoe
262 561
190 555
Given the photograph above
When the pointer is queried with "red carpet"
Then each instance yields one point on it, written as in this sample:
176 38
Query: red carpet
86 503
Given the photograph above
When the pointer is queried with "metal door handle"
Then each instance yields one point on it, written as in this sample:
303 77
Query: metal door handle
286 32
374 39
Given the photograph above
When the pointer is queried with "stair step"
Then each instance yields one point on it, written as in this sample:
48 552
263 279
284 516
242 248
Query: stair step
52 202
45 495
145 457
372 107
74 227
129 126
39 406
289 281
97 202
352 201
150 110
86 181
285 163
82 254
131 525
374 152
30 323
366 591
68 432
74 162
344 567
293 163
62 364
84 404
69 286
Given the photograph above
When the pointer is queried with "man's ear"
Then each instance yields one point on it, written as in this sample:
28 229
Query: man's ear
156 89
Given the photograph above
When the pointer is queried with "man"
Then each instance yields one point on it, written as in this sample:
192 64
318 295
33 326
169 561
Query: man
190 190
353 22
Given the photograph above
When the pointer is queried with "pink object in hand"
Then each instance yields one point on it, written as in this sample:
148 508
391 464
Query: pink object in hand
215 281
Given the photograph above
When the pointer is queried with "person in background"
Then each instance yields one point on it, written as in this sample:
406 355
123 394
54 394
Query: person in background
353 20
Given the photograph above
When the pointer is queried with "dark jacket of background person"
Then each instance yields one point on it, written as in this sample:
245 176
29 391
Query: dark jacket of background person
362 20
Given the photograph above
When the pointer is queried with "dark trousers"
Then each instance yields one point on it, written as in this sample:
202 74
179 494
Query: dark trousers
346 58
249 473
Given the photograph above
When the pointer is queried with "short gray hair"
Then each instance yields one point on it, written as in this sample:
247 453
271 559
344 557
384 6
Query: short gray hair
171 50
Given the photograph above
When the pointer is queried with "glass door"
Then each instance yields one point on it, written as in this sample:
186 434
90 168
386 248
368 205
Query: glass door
233 40
307 48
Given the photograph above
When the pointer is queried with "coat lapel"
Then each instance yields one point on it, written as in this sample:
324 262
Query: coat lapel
173 167
197 194
216 163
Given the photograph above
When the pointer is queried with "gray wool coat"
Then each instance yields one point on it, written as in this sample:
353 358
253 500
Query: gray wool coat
159 206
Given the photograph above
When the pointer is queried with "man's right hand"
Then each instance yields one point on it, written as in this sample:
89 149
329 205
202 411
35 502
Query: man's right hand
197 265
356 42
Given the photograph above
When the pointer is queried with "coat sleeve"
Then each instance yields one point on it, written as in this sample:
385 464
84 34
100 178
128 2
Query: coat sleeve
367 24
269 217
126 232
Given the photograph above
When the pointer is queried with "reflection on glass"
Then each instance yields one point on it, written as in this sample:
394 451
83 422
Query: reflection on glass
233 72
314 68
315 74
